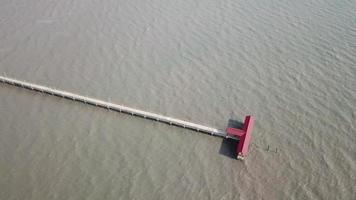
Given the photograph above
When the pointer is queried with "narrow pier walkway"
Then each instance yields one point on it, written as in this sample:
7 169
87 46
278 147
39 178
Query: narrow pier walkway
118 108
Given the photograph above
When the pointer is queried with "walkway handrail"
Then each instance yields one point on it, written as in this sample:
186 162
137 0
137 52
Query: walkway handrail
117 107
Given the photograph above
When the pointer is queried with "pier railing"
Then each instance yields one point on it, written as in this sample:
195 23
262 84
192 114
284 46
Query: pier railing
117 107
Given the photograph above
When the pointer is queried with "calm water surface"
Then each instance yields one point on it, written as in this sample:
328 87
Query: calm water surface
289 63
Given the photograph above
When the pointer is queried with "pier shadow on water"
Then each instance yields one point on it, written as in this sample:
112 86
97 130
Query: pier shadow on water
228 146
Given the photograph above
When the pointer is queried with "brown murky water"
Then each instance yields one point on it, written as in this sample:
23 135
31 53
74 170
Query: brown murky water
289 63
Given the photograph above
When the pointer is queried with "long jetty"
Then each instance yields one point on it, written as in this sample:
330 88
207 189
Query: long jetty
118 108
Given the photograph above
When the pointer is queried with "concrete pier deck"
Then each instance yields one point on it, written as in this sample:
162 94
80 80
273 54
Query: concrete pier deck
117 107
